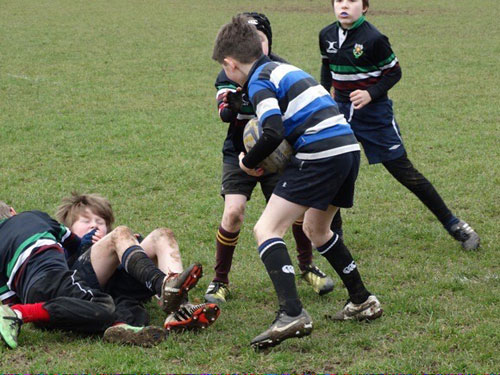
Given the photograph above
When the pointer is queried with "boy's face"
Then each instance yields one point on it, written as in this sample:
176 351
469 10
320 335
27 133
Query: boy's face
87 221
348 11
264 41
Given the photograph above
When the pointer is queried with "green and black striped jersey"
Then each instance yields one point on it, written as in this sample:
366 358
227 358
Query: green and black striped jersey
360 58
24 235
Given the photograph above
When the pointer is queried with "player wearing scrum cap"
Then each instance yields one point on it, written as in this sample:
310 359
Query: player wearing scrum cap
235 109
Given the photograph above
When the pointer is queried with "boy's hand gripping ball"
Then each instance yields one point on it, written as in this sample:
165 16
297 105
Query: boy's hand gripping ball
279 158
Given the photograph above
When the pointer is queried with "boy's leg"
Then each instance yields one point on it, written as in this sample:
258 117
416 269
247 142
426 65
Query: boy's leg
161 246
55 297
292 319
318 280
127 293
120 246
236 190
403 170
228 234
68 301
331 246
336 225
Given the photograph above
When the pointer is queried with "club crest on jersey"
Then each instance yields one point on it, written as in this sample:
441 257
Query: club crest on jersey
357 50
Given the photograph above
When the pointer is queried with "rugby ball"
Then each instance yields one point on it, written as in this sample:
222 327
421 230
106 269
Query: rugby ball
277 161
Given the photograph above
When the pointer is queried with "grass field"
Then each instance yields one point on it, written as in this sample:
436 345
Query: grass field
117 97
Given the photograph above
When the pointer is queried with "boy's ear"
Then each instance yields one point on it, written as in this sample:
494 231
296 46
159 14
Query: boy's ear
12 211
228 61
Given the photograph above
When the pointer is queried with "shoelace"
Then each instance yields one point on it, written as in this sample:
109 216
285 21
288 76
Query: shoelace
15 322
278 314
185 312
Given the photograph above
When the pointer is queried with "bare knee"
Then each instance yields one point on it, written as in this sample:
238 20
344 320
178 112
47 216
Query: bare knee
163 233
121 233
233 217
316 236
163 238
260 233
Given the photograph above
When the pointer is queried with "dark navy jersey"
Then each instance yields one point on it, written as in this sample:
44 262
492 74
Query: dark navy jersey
360 58
21 236
291 104
233 144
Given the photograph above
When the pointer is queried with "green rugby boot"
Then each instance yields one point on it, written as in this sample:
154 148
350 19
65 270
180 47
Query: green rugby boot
10 326
217 292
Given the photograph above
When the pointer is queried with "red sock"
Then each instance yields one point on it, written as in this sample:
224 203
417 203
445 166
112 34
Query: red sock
304 248
225 244
32 312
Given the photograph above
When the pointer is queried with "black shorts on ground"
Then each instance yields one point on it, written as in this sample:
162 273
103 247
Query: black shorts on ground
72 304
128 294
376 129
237 181
320 183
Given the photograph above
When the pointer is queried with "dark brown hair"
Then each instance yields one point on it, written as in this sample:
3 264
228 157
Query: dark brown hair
237 39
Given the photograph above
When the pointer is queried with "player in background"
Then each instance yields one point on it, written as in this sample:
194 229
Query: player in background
359 62
91 217
237 186
319 178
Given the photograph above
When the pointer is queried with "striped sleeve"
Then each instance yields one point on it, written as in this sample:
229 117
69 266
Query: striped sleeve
388 64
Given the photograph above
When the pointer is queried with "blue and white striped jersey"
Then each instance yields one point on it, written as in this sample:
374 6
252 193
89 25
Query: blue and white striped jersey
311 120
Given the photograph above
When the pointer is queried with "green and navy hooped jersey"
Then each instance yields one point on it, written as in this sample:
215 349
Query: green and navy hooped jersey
360 58
20 236
312 122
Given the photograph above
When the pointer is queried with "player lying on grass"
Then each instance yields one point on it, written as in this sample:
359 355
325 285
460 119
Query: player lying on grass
237 186
320 177
358 60
90 216
36 281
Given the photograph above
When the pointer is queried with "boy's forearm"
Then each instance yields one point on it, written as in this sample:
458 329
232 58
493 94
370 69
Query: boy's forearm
72 243
326 76
271 138
388 80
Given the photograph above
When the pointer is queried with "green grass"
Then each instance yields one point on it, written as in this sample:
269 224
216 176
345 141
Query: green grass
117 97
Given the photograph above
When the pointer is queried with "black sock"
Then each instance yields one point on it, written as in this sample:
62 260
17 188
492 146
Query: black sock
403 170
274 255
340 258
140 267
